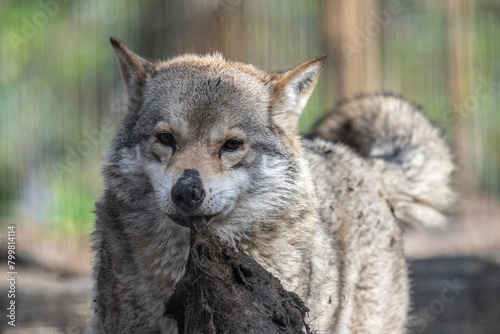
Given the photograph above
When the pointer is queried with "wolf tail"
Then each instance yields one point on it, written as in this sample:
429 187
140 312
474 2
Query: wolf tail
404 148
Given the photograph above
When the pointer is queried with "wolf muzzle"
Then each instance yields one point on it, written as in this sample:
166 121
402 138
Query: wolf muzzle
188 192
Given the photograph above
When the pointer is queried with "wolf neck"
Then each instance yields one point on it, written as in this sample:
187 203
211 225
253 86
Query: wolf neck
281 244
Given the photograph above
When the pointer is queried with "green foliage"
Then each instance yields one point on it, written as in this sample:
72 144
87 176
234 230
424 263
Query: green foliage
71 209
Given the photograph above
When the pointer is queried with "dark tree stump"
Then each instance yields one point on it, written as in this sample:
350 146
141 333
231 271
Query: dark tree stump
224 291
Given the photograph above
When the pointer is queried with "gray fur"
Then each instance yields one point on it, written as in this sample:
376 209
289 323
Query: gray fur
401 145
336 242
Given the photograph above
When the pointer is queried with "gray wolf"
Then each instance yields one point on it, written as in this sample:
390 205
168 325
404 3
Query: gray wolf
211 138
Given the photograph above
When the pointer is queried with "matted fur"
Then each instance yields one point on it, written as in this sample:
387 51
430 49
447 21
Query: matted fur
336 242
409 152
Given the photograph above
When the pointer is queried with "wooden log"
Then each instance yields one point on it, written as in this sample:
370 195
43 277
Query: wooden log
225 291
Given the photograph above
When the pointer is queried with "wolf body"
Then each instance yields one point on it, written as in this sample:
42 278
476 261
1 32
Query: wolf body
209 138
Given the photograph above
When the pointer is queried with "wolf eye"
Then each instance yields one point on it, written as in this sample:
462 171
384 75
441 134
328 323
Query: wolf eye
166 139
232 145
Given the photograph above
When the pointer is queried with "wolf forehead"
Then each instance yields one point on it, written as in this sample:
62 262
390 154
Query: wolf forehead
203 91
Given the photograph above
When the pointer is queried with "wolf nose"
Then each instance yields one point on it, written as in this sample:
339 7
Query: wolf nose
188 192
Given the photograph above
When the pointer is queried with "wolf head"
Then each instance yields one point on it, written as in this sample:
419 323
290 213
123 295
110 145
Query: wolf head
209 138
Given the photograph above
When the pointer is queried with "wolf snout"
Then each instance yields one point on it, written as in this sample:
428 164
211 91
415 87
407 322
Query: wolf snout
188 192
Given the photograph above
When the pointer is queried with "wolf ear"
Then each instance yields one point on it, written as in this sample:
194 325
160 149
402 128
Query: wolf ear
134 68
290 91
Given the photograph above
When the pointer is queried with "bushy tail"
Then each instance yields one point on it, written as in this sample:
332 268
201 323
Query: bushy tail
410 154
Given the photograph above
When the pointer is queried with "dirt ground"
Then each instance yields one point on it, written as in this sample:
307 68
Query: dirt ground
54 286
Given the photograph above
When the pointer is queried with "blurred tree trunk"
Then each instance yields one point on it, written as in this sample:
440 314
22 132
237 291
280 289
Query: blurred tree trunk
460 14
354 30
178 26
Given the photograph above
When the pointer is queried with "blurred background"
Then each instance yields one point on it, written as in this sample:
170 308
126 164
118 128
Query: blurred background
62 100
